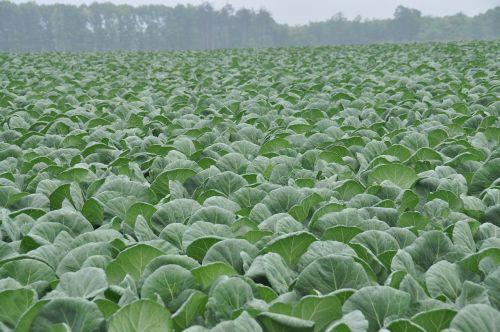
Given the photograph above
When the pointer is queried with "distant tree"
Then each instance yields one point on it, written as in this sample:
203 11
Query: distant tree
105 26
406 23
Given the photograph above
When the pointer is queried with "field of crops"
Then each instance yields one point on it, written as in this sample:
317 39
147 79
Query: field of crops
308 189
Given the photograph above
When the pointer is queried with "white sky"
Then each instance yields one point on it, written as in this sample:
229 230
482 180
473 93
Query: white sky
304 11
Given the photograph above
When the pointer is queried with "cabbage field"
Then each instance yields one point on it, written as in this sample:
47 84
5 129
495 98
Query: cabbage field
337 189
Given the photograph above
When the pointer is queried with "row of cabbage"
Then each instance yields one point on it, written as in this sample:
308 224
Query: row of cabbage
330 189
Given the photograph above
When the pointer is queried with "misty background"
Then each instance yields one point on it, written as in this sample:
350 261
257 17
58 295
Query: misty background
81 25
299 12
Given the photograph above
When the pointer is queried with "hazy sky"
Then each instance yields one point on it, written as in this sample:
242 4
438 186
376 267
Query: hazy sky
304 11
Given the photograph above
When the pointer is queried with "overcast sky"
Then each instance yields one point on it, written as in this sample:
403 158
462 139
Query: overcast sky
304 11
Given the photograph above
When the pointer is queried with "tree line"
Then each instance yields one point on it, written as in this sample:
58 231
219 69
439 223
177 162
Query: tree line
105 26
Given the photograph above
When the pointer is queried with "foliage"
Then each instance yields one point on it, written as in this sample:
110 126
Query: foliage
104 27
312 189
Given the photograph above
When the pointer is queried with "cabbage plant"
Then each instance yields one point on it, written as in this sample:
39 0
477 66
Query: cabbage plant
352 188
